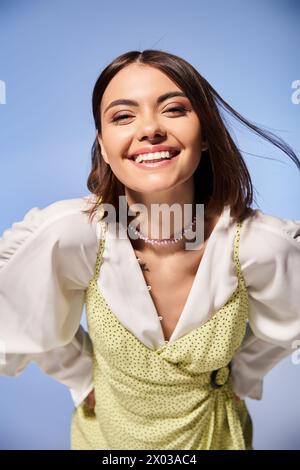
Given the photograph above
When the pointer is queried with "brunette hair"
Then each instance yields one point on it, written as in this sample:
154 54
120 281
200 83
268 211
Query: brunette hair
222 177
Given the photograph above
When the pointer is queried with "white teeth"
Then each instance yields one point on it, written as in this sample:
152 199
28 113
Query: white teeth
152 156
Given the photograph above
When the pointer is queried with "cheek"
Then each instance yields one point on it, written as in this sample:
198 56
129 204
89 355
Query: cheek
117 131
116 144
192 132
188 133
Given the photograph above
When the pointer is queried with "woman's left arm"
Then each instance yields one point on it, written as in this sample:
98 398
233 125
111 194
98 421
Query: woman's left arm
270 262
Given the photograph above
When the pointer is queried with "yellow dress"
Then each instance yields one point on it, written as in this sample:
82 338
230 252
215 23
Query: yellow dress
178 396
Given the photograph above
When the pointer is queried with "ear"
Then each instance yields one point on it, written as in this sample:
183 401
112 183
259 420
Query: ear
103 152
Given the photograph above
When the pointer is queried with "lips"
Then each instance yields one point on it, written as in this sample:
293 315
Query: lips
159 148
155 165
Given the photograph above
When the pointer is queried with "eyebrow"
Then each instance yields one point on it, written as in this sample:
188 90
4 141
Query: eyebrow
160 99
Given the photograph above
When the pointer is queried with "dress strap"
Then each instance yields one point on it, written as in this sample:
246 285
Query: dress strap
101 234
236 251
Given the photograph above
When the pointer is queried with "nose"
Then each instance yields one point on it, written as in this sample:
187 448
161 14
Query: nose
150 129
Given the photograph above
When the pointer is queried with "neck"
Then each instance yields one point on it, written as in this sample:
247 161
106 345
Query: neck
152 226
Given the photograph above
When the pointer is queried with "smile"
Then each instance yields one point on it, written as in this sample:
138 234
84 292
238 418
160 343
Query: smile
155 160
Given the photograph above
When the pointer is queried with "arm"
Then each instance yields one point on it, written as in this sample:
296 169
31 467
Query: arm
45 267
270 262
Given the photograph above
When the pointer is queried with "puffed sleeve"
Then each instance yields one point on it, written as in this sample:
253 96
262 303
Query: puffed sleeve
270 262
46 262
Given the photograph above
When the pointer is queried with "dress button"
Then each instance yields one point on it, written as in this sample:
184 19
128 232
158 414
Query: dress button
149 287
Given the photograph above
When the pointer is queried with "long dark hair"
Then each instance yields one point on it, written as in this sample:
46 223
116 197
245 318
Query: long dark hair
222 177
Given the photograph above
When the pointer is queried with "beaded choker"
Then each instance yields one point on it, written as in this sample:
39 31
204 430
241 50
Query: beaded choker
163 241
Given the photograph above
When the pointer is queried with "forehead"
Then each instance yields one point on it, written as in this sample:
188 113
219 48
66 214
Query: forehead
139 82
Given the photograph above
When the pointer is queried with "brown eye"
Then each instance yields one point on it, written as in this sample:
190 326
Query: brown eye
177 108
120 117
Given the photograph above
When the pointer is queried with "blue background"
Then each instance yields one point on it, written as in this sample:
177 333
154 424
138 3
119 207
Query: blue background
50 57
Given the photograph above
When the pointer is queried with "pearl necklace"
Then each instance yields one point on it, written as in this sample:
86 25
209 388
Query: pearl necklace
163 241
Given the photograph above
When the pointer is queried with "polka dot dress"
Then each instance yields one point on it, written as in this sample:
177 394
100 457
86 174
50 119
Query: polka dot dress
178 396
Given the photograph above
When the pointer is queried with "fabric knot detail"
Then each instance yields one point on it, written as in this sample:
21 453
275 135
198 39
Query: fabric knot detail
220 376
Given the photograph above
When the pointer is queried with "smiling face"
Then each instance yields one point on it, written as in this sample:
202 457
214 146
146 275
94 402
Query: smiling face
126 128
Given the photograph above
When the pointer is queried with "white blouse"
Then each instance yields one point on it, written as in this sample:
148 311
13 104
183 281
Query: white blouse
48 258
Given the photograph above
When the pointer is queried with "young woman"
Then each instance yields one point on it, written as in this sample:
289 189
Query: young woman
176 338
